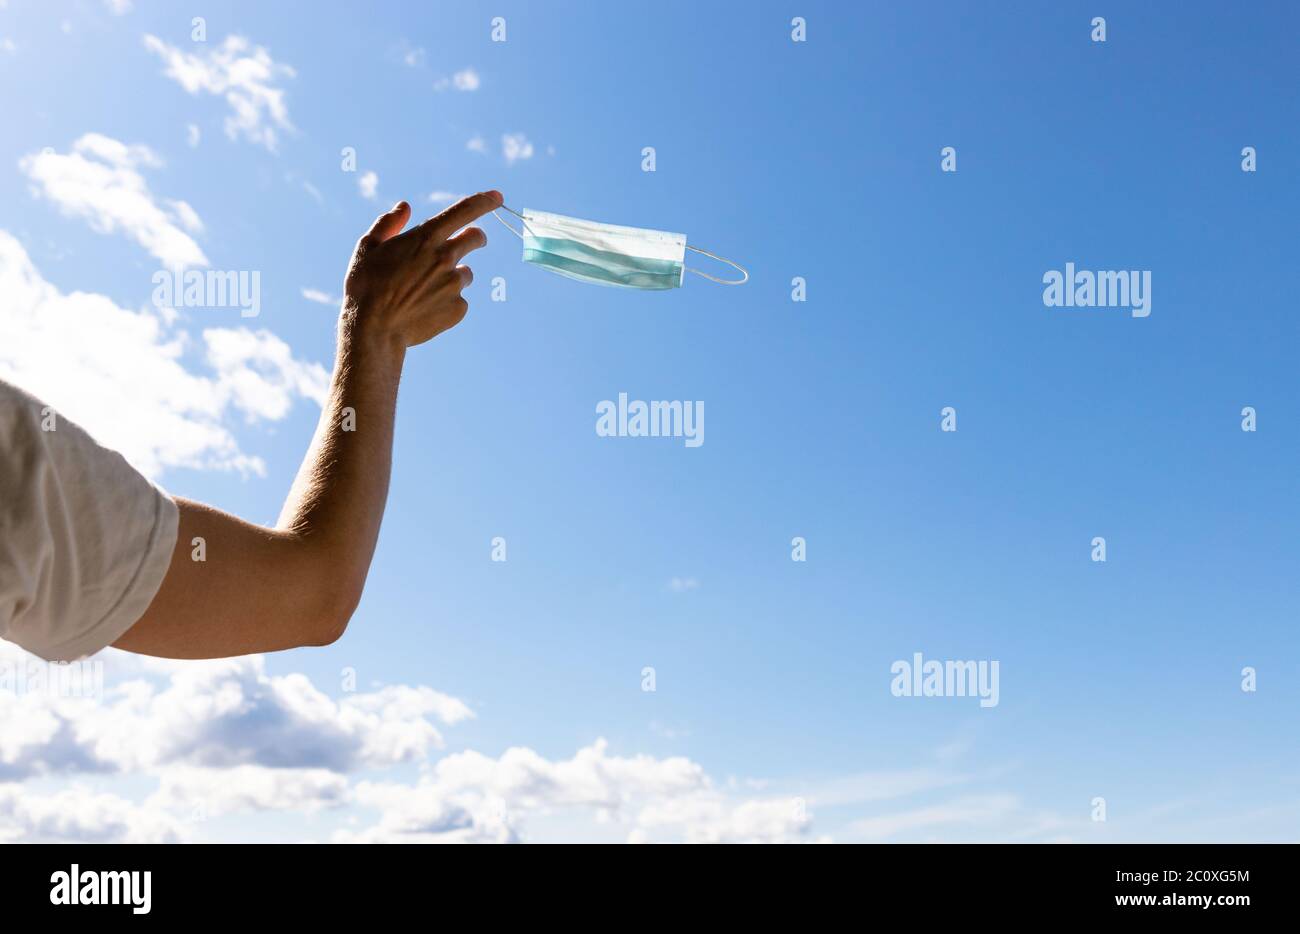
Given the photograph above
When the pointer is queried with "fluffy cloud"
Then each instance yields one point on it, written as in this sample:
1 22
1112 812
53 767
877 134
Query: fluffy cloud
244 75
123 375
259 374
231 713
368 184
514 147
214 792
471 797
226 737
197 719
80 815
100 181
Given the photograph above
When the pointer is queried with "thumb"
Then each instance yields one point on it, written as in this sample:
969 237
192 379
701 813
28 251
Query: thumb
391 223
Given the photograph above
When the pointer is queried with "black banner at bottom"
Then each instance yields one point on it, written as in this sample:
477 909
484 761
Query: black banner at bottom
1176 883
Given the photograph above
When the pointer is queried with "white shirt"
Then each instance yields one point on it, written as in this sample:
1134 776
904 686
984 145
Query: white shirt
85 540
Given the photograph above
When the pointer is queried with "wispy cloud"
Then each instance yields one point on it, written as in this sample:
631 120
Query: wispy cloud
319 297
100 181
244 75
465 80
476 144
683 584
443 197
368 184
977 810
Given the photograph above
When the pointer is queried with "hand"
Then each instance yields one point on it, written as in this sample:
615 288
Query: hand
405 287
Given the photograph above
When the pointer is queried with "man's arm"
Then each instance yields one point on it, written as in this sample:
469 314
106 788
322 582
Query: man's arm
260 589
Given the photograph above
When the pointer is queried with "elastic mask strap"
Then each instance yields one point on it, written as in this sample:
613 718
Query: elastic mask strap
507 225
741 281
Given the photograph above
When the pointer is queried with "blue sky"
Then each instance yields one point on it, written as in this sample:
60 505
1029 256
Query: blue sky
818 160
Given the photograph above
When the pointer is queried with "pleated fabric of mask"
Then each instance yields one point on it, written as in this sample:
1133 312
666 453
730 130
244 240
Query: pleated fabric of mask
608 254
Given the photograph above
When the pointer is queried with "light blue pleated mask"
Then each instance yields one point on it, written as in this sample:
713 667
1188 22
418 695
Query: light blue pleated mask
606 254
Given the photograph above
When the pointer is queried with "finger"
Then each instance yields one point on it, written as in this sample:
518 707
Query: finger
466 276
471 238
465 211
390 224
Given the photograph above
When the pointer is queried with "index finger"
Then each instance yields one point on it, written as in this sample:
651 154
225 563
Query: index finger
465 211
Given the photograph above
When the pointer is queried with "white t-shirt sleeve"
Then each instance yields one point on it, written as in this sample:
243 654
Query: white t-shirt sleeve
85 540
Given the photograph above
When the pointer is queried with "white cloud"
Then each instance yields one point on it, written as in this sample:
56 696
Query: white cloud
244 75
319 297
443 197
472 797
222 715
8 46
683 584
118 7
476 144
368 184
99 181
414 58
466 79
81 815
515 146
469 797
714 818
213 792
192 135
259 373
123 375
226 737
201 743
230 713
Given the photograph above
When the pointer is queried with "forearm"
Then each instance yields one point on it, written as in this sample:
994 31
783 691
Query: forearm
336 503
233 587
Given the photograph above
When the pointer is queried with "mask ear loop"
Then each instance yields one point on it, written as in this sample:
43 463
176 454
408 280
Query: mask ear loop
741 281
507 225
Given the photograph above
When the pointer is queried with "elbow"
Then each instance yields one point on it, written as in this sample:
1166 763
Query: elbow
331 615
325 585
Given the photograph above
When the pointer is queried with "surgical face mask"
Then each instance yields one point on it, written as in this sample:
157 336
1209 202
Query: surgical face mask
606 254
